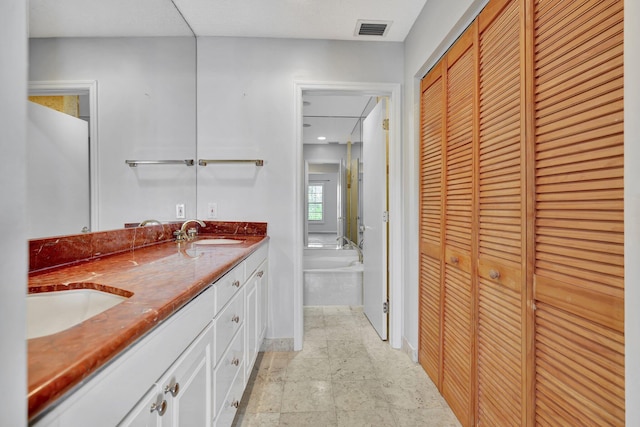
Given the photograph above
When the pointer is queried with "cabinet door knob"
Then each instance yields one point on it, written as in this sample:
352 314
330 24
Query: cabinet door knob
235 319
173 389
260 273
235 361
236 283
235 404
160 407
494 274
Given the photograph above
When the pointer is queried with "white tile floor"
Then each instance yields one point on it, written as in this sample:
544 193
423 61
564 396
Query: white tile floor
345 376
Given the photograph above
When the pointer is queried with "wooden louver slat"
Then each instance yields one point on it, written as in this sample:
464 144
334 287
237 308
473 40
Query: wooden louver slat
430 228
500 333
579 253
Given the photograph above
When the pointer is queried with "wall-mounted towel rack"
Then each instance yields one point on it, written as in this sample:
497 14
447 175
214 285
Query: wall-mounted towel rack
205 162
134 163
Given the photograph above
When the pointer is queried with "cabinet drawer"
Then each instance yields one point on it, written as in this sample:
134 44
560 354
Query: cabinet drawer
228 367
227 324
255 259
231 402
228 286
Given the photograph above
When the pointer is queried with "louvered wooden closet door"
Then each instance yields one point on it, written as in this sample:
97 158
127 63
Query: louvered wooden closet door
501 309
431 224
579 230
458 342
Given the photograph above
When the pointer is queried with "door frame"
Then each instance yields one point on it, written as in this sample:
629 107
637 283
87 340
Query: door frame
79 87
396 250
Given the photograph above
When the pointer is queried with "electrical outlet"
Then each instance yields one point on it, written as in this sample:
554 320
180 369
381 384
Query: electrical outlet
212 210
180 211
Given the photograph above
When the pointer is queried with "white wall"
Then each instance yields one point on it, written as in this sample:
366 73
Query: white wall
146 111
13 249
632 208
246 109
437 27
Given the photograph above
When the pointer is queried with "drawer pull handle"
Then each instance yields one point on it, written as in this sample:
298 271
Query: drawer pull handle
235 361
260 273
236 404
235 319
236 283
494 274
454 260
161 407
173 389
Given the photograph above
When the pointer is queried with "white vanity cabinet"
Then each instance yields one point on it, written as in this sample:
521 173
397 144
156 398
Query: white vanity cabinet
191 370
238 334
181 396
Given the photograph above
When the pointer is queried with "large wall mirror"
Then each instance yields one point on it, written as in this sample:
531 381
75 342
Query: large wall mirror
130 69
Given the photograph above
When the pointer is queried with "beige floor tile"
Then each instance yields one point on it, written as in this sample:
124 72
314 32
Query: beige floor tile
315 349
339 349
339 332
369 418
434 417
352 369
359 395
308 369
313 311
256 420
411 395
345 321
263 397
307 396
308 419
332 310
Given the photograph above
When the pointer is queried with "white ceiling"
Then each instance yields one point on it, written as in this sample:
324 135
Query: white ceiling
310 19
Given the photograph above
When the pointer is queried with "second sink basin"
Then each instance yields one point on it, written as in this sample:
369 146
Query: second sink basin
52 312
218 242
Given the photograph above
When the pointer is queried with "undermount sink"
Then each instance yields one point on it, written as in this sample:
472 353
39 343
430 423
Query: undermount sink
52 312
218 242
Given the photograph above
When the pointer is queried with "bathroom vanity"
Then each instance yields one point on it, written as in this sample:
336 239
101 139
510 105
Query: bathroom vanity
177 351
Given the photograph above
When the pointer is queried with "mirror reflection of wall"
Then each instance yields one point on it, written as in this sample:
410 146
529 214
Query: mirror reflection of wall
145 72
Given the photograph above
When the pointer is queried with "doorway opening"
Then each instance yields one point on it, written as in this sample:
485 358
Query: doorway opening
342 153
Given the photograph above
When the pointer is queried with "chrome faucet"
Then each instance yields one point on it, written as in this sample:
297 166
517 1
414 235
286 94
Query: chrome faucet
149 222
184 235
349 243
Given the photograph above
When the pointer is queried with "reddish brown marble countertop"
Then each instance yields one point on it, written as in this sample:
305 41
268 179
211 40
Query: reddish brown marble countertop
162 278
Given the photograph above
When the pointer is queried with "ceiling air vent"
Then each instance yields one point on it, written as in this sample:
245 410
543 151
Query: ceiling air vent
372 28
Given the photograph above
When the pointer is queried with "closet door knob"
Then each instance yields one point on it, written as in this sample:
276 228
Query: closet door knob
494 274
454 260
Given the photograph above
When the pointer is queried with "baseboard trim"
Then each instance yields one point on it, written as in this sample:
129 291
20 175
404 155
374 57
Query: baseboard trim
409 350
277 344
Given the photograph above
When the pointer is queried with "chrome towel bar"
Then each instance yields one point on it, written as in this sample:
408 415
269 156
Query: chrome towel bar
204 162
134 163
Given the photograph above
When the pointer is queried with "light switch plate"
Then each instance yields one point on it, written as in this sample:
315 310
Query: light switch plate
212 210
180 211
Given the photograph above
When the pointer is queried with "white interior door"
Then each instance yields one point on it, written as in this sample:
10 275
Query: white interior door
58 196
374 141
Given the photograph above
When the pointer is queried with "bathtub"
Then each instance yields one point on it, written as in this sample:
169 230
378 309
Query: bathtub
332 277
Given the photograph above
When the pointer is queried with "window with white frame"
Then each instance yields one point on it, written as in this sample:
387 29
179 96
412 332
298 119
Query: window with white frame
315 197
